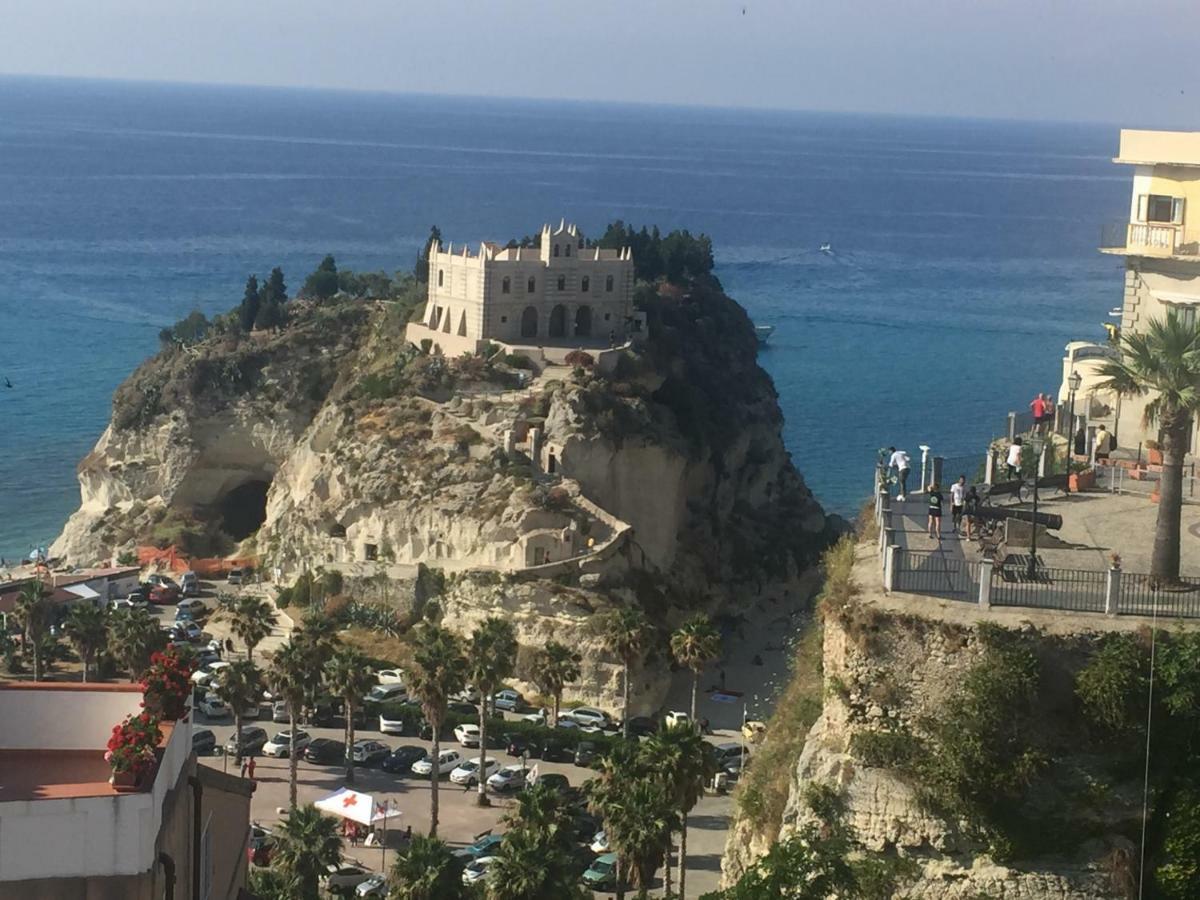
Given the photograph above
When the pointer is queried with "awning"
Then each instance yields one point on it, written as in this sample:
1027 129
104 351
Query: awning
357 807
1166 289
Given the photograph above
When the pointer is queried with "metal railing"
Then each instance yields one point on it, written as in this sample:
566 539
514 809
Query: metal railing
1075 590
1140 596
1144 481
936 574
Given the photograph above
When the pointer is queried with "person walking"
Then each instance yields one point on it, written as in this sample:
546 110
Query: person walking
971 510
1103 443
250 768
1014 460
958 498
934 496
900 462
1038 408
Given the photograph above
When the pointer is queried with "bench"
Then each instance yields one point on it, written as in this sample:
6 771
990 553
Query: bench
1060 483
1016 489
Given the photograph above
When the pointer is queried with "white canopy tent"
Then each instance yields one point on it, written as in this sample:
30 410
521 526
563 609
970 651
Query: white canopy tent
358 807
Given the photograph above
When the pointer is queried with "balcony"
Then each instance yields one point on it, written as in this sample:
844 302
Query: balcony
1147 239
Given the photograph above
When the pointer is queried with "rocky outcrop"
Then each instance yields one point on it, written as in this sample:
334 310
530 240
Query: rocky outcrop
669 485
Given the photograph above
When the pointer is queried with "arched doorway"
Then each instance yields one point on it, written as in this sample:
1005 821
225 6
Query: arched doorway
558 321
529 322
583 321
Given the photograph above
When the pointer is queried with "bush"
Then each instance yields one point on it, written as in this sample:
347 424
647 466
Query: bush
886 749
1112 686
579 359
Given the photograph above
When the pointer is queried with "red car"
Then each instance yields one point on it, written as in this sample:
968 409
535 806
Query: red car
261 846
164 594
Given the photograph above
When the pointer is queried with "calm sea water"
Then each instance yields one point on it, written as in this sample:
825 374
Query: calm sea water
964 251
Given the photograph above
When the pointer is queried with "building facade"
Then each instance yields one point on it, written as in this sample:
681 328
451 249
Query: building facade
1160 244
561 292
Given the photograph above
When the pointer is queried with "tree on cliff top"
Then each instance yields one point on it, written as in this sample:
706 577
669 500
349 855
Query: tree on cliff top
251 301
1163 360
323 282
421 268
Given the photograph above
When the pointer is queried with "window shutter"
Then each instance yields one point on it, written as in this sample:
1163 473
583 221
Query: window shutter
1143 205
1177 211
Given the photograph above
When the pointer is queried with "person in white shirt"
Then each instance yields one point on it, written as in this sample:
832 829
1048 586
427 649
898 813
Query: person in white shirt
1014 460
958 499
899 462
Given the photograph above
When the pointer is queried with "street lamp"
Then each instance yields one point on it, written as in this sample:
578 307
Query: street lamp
1037 443
1074 380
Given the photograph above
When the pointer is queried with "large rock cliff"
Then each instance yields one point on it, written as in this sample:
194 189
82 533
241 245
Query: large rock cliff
657 478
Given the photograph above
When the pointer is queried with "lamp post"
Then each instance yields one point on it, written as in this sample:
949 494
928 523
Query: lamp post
1074 380
1037 443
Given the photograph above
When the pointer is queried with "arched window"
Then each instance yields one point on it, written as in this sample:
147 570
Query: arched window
562 282
441 277
586 284
608 283
506 285
556 249
566 249
529 322
558 322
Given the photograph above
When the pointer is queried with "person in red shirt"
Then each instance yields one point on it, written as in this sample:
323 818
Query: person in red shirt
1038 407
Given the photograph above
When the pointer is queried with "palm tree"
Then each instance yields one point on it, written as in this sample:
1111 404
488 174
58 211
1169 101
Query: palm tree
427 869
683 761
438 671
238 683
639 817
1163 359
87 630
318 634
625 632
33 613
491 658
290 677
307 843
535 860
251 619
555 666
695 644
348 674
133 635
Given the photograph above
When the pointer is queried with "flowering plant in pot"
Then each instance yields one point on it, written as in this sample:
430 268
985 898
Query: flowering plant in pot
167 684
131 749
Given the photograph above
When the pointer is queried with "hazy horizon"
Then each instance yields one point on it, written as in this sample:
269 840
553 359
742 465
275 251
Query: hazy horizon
1022 59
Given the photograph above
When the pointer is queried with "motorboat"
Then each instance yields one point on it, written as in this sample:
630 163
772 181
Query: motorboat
763 333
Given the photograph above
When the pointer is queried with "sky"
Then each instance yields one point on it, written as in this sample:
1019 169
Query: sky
1065 60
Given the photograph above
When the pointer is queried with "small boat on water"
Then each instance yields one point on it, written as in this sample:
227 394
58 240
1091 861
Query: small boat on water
763 333
826 248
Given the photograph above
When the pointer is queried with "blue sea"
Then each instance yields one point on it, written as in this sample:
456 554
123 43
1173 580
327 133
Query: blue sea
964 252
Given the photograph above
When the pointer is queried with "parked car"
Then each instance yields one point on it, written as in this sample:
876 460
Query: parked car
553 780
556 751
469 694
390 676
388 725
204 742
447 760
345 876
325 752
280 711
366 752
602 873
157 580
402 758
467 772
640 726
252 709
183 615
140 595
588 715
462 707
521 744
507 779
386 693
467 734
477 869
194 606
253 739
238 577
209 673
164 594
214 707
676 718
185 633
508 700
484 846
133 601
205 656
261 846
586 753
280 745
599 843
189 583
375 886
729 752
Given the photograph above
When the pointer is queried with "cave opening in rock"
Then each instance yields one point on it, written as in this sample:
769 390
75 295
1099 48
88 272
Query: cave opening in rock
244 509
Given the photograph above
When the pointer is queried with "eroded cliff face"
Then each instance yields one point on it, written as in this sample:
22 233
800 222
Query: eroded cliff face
894 673
669 486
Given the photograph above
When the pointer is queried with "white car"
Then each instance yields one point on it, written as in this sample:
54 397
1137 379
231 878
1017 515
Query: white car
469 694
279 745
467 771
507 699
375 886
390 676
477 869
192 605
214 707
677 718
131 602
189 583
346 875
588 715
386 693
600 843
209 673
467 734
446 761
390 726
508 778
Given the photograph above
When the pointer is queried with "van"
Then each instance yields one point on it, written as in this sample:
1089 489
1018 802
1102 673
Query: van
189 583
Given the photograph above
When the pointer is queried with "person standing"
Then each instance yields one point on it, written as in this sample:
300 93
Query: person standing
900 462
1048 413
1014 460
958 498
250 768
1103 443
972 508
934 496
1038 408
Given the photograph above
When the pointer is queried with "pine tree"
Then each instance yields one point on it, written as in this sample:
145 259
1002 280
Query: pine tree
251 301
421 269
